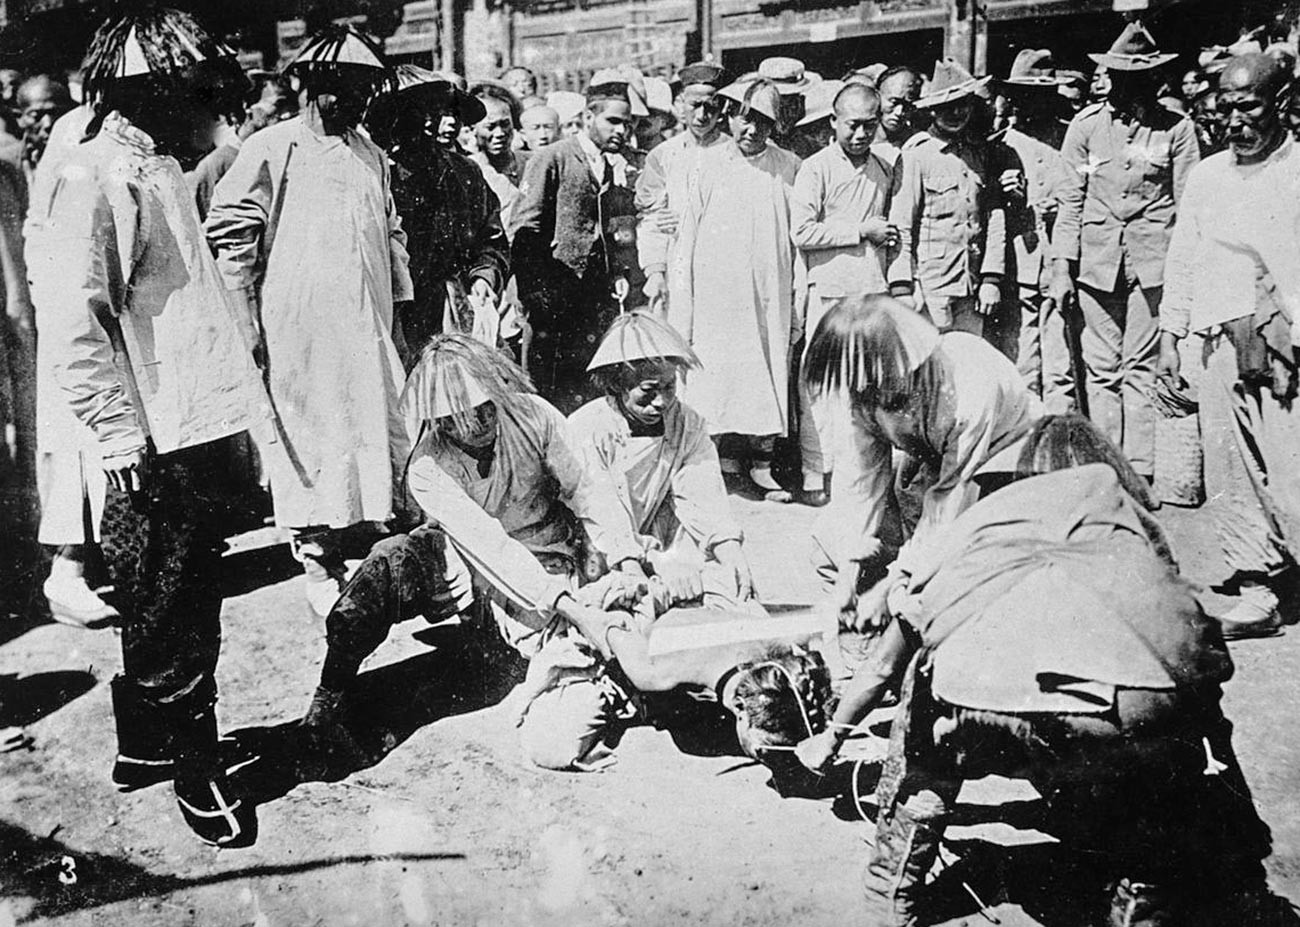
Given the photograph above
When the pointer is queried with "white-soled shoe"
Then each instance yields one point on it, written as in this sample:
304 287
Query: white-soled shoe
1255 614
73 602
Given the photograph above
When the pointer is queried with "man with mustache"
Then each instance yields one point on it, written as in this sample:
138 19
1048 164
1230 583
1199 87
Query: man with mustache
1233 287
305 229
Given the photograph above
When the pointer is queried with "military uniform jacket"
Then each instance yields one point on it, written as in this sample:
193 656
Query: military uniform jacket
1030 225
1119 196
951 217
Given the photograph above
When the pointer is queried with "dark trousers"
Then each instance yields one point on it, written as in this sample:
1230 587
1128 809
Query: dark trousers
569 315
402 577
162 549
1130 784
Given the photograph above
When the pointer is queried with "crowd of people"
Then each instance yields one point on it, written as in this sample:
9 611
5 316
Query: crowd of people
526 349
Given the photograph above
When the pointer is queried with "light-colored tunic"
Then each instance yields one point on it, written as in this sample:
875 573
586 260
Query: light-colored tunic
732 285
317 212
671 172
981 407
143 341
515 526
67 464
670 485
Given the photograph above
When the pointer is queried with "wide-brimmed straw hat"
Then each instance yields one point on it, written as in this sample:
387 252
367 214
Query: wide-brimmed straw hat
951 82
761 96
638 335
419 88
819 101
454 375
1134 50
788 74
157 42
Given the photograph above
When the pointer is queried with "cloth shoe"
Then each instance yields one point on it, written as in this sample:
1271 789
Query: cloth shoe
146 753
146 750
1256 614
212 809
327 742
73 602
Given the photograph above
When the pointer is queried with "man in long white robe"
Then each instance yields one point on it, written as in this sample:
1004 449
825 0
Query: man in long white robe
732 283
304 225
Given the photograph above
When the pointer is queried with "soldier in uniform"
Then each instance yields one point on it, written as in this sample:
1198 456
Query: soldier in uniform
951 211
1128 160
1035 335
575 241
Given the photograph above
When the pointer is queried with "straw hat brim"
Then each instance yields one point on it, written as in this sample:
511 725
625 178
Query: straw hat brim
1030 82
953 94
736 93
635 337
1116 62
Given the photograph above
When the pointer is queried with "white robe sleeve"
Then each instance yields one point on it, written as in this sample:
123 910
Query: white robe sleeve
89 248
505 564
699 495
239 214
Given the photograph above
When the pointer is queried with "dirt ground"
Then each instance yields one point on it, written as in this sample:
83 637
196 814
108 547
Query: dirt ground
448 827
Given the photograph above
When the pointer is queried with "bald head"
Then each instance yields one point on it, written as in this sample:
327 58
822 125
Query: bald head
1264 74
855 119
1254 91
855 97
44 92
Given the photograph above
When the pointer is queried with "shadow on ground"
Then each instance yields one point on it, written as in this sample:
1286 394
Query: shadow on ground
26 699
467 669
61 879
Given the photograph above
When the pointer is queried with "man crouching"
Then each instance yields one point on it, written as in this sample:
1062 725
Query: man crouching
504 494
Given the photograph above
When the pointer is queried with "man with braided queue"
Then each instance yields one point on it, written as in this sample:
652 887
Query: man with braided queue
154 359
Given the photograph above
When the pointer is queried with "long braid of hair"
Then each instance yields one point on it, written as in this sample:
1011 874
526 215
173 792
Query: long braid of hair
777 710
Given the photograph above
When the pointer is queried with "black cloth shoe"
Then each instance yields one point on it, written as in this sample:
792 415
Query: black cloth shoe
145 749
215 812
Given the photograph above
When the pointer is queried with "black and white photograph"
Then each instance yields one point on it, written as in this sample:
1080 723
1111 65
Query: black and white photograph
637 463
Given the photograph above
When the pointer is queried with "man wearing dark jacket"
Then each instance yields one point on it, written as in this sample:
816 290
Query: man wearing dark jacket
575 242
460 259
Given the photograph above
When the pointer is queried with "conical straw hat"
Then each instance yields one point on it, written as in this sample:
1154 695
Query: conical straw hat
639 336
